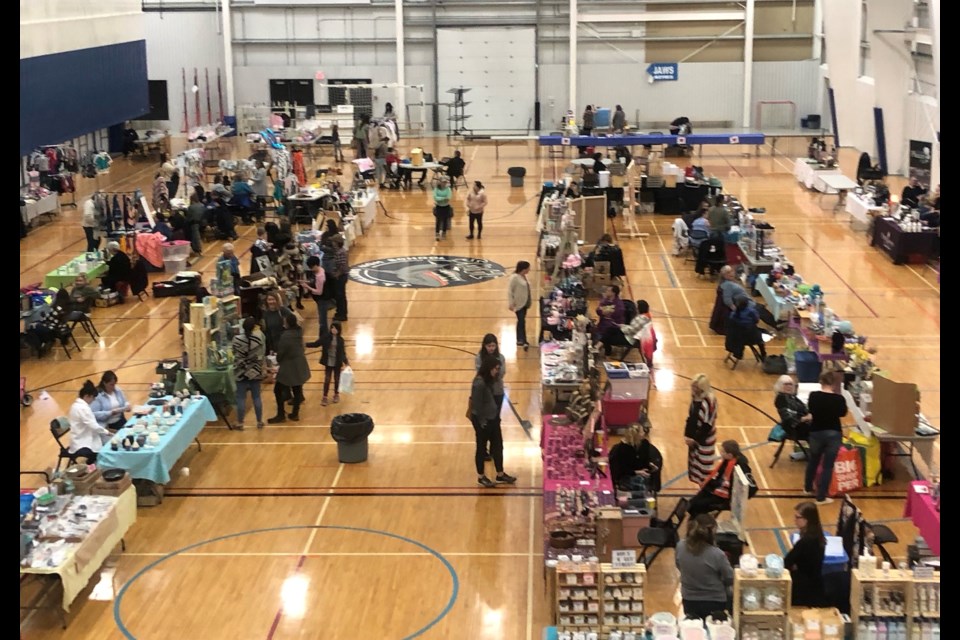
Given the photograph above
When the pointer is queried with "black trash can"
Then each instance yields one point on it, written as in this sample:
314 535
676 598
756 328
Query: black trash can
350 430
516 176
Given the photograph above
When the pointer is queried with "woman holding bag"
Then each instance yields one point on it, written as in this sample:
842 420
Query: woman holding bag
700 432
333 357
485 416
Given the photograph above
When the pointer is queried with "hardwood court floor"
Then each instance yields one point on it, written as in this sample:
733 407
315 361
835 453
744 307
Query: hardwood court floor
300 568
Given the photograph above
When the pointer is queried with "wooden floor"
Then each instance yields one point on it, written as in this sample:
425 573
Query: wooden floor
270 519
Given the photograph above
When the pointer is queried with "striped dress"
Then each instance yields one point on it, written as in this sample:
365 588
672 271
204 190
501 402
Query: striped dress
701 427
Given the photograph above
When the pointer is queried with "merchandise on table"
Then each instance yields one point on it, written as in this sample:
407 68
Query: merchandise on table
57 529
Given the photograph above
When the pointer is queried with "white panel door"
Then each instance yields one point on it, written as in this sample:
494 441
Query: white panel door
497 65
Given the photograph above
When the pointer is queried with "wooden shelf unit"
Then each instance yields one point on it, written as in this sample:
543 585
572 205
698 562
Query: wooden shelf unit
919 598
599 597
763 617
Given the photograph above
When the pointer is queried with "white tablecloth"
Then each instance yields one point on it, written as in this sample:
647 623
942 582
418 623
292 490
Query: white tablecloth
35 208
808 174
860 209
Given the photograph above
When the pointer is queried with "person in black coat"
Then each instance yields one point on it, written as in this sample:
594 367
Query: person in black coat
333 357
635 463
805 559
118 267
912 193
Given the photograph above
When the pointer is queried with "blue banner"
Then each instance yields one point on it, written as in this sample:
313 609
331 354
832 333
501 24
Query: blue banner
663 71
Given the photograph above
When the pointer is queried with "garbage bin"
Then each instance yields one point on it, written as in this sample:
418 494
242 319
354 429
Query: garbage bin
516 176
175 254
808 366
350 430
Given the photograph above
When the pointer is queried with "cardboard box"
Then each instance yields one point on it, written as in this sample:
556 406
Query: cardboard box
609 532
670 180
149 494
894 406
633 521
106 302
103 488
84 486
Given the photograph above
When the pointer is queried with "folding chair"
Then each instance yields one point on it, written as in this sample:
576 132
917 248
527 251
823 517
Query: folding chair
663 537
791 436
60 427
695 237
65 336
882 534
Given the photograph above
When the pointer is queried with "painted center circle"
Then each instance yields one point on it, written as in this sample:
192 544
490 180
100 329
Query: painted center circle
426 272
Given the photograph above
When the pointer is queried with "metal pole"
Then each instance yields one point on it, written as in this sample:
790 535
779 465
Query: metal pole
574 19
228 56
747 63
399 105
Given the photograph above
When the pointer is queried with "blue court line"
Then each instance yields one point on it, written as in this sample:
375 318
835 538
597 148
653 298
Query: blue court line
419 632
669 269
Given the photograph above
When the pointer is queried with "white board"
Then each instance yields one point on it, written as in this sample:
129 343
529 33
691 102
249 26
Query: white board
494 62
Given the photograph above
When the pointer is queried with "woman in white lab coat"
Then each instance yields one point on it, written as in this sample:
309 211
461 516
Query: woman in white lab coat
86 434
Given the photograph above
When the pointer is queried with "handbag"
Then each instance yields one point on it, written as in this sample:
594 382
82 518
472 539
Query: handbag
777 434
775 365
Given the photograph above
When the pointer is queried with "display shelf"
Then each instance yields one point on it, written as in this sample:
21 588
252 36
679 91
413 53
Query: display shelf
777 619
913 599
623 593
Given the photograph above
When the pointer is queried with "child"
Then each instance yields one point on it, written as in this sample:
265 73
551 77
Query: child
333 357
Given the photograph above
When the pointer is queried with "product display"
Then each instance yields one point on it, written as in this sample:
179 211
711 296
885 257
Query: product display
761 601
601 597
884 598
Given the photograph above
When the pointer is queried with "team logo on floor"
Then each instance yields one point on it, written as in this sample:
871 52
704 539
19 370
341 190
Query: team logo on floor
425 272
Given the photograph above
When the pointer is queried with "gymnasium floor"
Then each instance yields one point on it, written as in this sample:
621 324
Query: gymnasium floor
269 537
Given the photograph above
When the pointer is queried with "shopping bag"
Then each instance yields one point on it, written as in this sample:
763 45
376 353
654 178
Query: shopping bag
346 380
777 434
869 449
847 472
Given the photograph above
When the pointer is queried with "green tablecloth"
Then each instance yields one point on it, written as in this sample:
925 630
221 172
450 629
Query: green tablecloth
213 381
63 277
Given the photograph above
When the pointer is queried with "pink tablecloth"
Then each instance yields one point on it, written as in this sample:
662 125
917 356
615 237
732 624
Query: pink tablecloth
149 248
561 466
924 514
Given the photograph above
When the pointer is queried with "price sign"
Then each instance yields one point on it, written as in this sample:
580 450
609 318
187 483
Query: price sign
565 142
920 572
624 558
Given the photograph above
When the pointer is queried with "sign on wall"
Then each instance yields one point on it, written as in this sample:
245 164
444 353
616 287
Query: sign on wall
921 155
663 71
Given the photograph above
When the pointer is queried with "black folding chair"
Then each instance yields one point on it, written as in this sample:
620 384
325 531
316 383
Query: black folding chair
665 536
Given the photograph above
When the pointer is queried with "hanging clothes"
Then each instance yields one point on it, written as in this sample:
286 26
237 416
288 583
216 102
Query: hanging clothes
298 167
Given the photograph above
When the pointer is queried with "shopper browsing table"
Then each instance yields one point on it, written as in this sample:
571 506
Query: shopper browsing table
248 363
485 416
294 371
706 577
442 211
110 405
700 432
519 300
805 559
826 436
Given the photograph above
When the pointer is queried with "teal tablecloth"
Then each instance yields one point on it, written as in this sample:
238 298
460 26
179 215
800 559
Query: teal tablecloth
155 464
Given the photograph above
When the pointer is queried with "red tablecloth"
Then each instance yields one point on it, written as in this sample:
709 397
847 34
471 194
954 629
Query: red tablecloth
924 514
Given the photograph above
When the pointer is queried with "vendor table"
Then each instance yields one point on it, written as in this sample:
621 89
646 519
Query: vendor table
810 173
560 390
924 513
86 558
838 184
861 210
213 382
753 263
154 464
778 305
407 170
34 208
63 277
312 202
650 139
366 209
900 245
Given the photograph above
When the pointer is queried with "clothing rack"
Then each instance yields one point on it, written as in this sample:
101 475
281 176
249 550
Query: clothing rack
112 226
64 174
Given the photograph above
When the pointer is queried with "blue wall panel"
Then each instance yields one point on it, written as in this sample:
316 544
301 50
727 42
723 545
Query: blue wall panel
65 95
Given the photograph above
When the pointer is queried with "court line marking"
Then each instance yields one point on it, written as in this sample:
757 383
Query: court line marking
763 478
666 312
419 632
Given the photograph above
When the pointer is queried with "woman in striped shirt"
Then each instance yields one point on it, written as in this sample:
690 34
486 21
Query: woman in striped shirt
700 433
248 353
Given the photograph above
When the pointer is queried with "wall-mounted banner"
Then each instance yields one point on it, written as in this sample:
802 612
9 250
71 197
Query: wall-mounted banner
663 71
921 154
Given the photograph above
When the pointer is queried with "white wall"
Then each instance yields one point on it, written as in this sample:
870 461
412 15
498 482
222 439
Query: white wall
185 40
56 26
906 115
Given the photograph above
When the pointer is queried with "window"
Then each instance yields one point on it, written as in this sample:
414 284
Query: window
866 68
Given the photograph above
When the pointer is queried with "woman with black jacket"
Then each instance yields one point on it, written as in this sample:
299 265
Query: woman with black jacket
805 560
294 370
794 416
634 462
333 357
485 416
